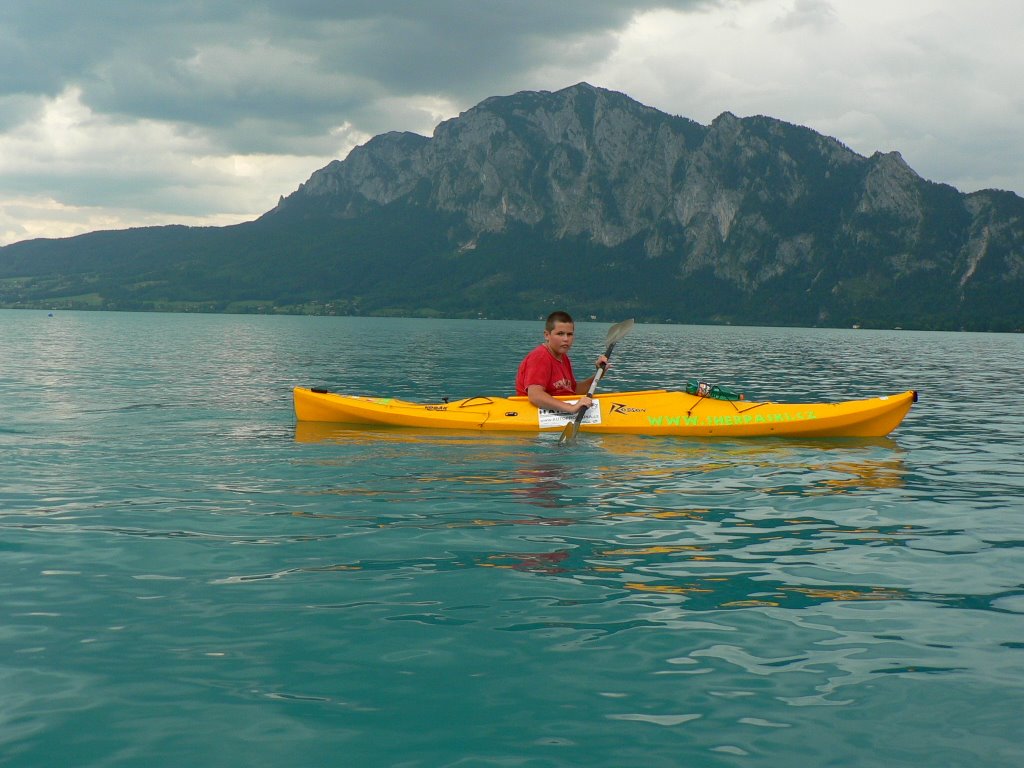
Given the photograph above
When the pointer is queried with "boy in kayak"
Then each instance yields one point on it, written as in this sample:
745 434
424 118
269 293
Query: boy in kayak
547 370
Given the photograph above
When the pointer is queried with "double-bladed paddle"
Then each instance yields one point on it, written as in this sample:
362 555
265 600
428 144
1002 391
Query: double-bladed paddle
615 333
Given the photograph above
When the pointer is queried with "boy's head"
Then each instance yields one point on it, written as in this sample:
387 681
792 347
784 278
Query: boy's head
557 317
559 331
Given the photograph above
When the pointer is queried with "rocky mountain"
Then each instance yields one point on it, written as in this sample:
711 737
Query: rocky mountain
586 199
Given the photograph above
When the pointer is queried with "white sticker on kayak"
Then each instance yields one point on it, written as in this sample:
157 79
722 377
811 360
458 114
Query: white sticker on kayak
547 419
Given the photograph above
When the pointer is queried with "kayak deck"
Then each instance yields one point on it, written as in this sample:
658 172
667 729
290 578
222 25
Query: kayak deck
646 412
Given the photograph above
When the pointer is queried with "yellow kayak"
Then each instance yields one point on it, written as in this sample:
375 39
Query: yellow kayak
648 412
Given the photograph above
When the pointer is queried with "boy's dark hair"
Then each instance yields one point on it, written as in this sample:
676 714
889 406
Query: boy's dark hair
558 317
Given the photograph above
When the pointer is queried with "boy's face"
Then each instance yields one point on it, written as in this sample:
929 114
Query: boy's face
559 339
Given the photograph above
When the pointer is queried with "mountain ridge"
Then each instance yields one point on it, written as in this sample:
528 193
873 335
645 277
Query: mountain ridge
780 224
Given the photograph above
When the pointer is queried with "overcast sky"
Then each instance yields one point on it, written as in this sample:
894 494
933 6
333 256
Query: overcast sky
118 113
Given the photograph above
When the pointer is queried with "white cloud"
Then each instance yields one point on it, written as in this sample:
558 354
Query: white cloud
65 137
80 172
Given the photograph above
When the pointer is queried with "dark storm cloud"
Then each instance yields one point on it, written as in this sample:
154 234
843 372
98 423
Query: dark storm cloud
286 72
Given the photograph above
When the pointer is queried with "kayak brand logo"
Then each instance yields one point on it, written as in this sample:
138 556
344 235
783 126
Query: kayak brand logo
436 407
621 408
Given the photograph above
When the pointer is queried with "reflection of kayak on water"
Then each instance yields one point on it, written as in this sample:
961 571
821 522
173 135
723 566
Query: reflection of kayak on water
648 412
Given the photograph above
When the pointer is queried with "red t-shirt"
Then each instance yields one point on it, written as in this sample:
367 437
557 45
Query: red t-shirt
541 367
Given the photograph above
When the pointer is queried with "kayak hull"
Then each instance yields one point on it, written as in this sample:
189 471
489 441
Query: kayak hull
647 412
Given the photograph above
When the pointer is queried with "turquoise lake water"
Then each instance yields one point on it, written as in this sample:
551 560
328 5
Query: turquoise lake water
186 578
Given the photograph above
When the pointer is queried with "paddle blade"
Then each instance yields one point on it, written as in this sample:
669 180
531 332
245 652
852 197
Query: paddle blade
617 331
570 431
